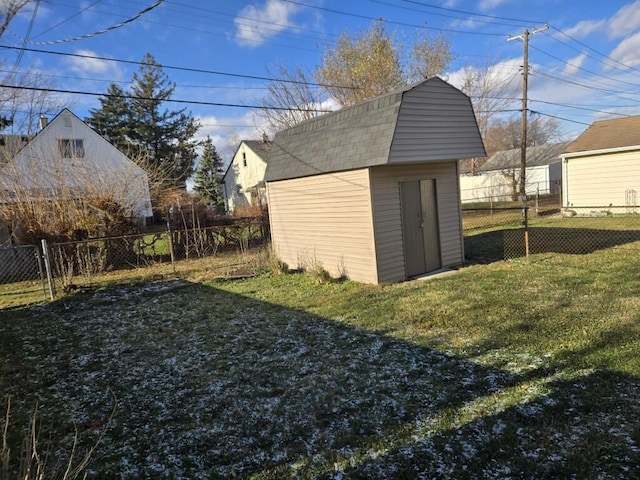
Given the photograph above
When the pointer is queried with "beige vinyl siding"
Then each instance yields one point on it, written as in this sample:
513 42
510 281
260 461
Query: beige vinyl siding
600 180
325 219
387 214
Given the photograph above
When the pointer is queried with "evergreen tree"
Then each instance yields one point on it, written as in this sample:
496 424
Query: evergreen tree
165 136
208 175
111 120
135 122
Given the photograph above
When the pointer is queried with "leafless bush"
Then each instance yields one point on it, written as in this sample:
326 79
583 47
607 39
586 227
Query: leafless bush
35 459
44 196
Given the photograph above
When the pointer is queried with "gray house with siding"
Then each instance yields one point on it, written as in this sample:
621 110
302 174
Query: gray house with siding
371 191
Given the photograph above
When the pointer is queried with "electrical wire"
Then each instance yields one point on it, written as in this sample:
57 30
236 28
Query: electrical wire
88 7
392 22
170 67
103 31
134 97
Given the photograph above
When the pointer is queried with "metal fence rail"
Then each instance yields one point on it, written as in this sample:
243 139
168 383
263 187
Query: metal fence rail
505 233
75 264
21 275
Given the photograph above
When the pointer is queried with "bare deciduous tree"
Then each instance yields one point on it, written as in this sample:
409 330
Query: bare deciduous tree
291 98
361 67
8 10
430 56
357 68
490 92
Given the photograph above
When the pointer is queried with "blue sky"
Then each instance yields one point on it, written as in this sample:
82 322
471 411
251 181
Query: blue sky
586 67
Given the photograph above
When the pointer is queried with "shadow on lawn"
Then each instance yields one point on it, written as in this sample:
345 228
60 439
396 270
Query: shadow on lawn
587 427
510 243
212 384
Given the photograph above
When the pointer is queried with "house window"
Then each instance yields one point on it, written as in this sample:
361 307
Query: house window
71 147
244 159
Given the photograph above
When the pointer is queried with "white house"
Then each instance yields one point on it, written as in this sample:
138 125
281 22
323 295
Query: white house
68 159
601 168
243 182
495 179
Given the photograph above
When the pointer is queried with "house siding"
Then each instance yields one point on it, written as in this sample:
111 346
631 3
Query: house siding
387 215
435 122
600 180
39 167
240 176
325 220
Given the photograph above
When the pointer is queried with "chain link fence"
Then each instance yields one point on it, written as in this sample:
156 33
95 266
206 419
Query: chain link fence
492 234
22 275
63 267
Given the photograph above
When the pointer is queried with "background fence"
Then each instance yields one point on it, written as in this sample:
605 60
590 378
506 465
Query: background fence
32 274
492 234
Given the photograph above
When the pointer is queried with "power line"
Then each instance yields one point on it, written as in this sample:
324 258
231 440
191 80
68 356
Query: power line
170 67
104 30
68 18
134 97
625 66
584 69
402 24
490 21
558 118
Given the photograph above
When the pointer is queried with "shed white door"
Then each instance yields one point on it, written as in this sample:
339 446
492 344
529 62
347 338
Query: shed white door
420 227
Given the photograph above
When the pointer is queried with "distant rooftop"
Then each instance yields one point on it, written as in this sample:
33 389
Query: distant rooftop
606 134
536 156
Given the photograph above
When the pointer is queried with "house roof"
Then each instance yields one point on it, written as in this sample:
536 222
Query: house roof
262 148
428 121
536 156
607 134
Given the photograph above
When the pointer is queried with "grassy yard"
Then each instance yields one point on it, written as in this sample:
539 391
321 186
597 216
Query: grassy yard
518 369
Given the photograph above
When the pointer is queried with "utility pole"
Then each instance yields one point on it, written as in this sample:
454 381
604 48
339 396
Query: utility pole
523 127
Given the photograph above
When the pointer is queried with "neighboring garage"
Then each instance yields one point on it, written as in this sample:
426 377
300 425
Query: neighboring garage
602 167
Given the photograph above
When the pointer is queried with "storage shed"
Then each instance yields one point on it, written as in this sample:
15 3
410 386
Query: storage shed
371 191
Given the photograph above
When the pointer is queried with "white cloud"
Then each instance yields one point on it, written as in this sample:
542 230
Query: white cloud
625 21
227 132
628 51
585 28
505 74
93 66
256 24
574 64
489 4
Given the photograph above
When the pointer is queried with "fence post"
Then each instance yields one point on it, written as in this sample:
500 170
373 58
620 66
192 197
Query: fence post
47 265
525 222
41 273
170 235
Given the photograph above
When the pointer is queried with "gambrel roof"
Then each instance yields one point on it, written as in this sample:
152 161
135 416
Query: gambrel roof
426 122
608 134
536 156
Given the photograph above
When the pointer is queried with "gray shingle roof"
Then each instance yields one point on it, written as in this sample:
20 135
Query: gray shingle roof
362 135
536 156
260 147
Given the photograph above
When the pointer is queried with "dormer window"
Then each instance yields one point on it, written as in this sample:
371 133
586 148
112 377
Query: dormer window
71 147
244 159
